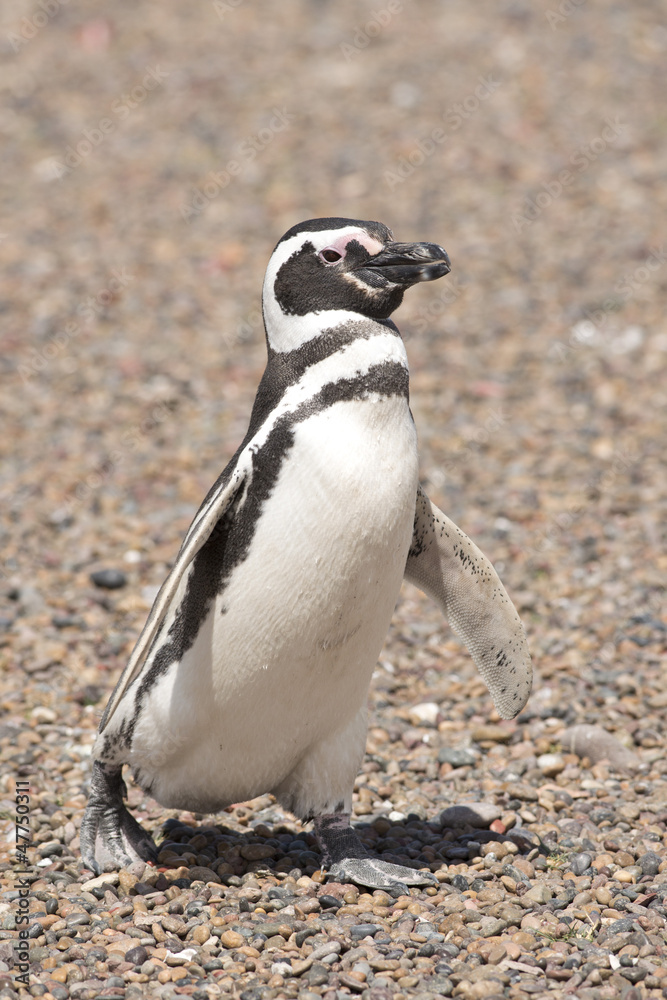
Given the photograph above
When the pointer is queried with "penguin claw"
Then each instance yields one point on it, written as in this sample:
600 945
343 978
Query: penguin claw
110 836
375 874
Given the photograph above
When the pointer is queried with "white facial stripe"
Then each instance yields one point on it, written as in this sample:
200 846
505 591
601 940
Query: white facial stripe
288 332
340 244
320 240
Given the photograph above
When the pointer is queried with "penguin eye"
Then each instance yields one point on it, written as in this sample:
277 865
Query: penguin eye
330 256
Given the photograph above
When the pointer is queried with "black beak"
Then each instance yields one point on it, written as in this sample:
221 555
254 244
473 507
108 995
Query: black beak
407 263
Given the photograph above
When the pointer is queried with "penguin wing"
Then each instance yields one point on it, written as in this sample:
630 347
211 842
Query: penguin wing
448 566
215 505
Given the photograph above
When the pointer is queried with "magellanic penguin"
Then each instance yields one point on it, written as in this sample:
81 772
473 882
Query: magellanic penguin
252 672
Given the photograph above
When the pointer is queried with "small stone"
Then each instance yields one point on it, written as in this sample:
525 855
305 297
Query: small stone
199 873
633 973
425 714
456 757
475 814
232 939
597 744
330 902
173 924
649 863
175 958
317 975
43 714
282 968
520 790
358 931
579 863
523 866
494 734
492 926
539 893
551 764
107 878
109 579
126 881
623 859
257 852
137 956
496 954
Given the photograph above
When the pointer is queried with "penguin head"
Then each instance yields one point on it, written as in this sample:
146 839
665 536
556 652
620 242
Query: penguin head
326 271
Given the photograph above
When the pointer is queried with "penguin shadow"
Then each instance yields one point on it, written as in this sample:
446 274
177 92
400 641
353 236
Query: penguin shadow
228 849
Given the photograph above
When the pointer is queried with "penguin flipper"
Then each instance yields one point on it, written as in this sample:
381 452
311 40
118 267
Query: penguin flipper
215 505
448 566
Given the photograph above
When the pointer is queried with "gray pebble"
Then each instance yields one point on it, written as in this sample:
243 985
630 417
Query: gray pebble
359 931
633 974
514 873
579 863
136 955
597 744
457 758
476 814
109 579
649 863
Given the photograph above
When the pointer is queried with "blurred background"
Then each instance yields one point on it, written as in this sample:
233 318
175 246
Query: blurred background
153 154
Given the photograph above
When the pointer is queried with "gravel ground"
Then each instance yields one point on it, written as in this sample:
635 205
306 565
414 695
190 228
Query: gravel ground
530 141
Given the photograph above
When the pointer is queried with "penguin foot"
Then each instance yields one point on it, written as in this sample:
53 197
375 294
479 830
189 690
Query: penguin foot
375 874
110 836
348 860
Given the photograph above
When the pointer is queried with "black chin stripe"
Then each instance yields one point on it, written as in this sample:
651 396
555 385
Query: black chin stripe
326 343
286 368
230 541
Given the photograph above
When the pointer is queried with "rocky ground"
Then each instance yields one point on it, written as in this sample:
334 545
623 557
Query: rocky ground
530 141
